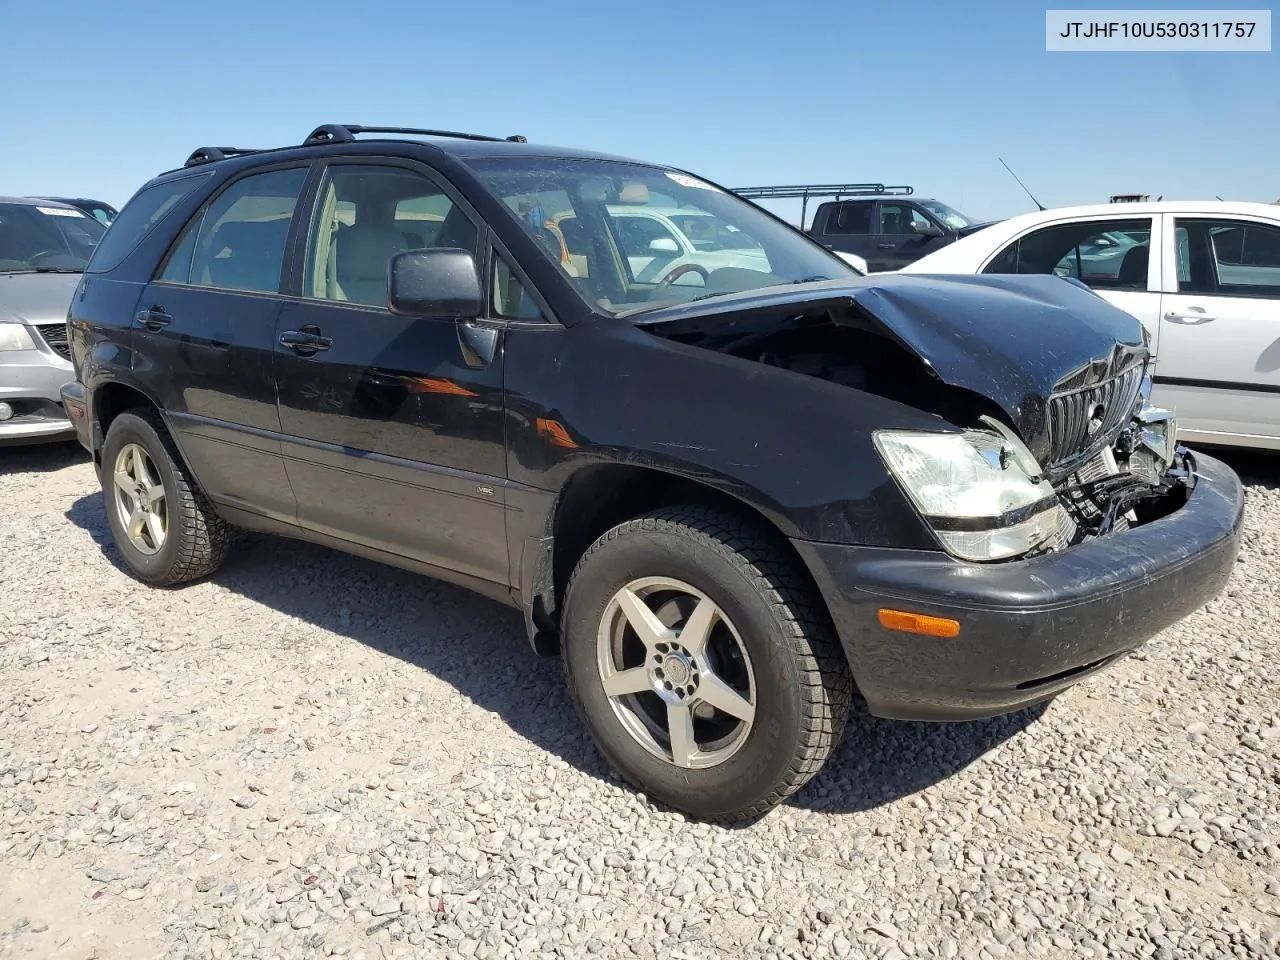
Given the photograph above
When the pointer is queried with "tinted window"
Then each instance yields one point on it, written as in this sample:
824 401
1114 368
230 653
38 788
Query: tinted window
1105 254
146 208
365 215
50 238
1228 258
239 240
848 218
898 218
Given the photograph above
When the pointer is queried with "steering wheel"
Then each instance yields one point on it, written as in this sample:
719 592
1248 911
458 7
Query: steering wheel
676 273
44 253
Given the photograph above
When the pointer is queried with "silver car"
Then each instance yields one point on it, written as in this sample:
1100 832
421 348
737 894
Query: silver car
44 247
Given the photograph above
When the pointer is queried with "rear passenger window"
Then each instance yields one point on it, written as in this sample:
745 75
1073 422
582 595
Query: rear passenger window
850 218
1228 258
239 242
147 207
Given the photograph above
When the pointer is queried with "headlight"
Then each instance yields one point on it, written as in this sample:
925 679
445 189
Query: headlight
15 336
983 494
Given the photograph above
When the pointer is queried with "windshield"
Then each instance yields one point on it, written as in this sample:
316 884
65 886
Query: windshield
949 215
635 238
46 239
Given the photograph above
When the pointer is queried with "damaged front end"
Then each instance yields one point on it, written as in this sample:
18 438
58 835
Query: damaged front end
1138 476
1048 385
1133 473
987 497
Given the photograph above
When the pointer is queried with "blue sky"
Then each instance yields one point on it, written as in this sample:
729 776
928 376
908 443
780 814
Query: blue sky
101 96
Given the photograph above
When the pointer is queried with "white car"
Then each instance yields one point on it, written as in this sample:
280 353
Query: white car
1202 276
658 241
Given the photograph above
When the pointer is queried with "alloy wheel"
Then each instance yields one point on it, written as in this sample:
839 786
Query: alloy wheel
676 672
140 499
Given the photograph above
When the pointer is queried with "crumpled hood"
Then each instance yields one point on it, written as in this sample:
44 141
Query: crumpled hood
1009 338
36 297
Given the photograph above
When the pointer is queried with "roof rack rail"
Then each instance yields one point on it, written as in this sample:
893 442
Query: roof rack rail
345 133
214 154
837 190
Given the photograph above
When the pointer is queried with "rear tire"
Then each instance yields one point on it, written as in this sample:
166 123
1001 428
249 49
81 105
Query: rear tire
770 662
164 528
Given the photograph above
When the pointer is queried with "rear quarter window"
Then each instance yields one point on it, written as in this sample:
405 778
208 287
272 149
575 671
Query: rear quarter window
144 210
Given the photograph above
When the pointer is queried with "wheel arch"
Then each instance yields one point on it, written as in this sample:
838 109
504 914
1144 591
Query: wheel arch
107 401
596 498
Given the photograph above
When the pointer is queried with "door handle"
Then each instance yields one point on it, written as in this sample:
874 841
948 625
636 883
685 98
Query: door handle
153 318
306 341
885 246
1195 316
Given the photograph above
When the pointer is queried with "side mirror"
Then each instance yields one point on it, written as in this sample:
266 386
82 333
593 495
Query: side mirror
664 245
435 282
925 229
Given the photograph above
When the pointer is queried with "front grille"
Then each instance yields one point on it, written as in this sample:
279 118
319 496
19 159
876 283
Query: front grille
55 335
1081 421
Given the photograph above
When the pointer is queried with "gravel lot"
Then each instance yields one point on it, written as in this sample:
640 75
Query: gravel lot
313 755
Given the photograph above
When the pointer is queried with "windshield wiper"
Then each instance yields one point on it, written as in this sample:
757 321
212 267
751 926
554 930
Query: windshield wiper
59 270
814 279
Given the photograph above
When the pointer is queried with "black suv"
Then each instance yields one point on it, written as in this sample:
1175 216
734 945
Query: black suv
736 491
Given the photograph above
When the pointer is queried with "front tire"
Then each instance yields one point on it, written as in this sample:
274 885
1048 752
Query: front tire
164 528
703 662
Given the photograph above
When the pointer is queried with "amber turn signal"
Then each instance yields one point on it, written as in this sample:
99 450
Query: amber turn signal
918 623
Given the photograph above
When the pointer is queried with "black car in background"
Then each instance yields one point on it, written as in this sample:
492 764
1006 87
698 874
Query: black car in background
104 213
887 226
735 500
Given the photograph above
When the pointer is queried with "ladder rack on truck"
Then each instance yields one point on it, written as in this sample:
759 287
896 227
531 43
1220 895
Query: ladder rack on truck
837 190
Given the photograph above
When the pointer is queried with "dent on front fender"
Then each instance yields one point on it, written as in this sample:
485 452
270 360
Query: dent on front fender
796 448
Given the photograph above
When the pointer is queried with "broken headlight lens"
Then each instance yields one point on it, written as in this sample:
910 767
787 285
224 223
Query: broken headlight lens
983 494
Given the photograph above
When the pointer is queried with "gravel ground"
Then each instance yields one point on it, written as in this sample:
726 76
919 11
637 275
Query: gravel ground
312 755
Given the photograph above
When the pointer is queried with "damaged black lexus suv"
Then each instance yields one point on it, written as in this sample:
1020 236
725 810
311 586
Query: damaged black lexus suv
735 486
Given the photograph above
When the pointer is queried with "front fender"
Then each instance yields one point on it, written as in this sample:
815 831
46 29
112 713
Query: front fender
795 448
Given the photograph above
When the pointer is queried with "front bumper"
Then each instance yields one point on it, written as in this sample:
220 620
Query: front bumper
1028 629
30 382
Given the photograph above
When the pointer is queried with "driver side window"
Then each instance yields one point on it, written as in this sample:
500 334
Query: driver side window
900 218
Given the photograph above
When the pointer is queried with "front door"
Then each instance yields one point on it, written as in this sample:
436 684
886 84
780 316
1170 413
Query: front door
899 241
1219 359
204 340
1110 255
393 425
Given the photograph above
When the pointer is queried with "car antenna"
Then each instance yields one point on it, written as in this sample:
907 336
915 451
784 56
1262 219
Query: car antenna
1022 185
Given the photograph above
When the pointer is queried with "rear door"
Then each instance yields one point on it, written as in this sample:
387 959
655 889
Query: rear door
849 227
1219 365
204 336
393 425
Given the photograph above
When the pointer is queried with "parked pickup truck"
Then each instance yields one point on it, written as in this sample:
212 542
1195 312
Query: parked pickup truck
733 508
887 227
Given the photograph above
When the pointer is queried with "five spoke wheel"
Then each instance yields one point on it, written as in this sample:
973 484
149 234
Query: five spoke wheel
677 674
140 499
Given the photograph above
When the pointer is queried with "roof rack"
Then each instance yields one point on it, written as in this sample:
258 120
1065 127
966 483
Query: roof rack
837 190
213 154
345 133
